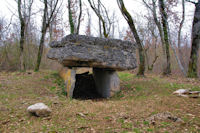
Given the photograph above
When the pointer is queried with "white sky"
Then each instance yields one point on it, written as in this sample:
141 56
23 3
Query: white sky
135 7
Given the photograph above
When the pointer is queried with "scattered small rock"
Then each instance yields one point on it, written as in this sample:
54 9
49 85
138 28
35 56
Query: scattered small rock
181 91
81 114
187 93
163 117
39 109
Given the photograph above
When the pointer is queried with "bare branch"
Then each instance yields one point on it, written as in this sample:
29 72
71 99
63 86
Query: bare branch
191 2
99 15
52 13
79 18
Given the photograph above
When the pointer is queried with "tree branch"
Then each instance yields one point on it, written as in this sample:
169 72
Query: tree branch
191 2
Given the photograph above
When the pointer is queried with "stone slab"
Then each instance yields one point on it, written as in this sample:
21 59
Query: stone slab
84 51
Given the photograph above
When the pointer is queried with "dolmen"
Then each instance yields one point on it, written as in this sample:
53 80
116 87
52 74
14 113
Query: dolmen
105 56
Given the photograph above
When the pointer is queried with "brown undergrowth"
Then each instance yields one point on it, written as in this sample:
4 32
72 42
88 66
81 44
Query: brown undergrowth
139 99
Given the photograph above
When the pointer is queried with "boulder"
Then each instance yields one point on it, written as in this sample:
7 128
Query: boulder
84 51
39 109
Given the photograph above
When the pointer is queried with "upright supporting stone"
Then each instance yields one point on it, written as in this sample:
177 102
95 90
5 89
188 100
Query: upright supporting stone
70 79
107 82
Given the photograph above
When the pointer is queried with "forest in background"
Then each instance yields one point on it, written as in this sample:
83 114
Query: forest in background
162 46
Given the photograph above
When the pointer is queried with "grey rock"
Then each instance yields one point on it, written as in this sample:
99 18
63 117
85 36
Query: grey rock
107 82
84 51
181 91
39 109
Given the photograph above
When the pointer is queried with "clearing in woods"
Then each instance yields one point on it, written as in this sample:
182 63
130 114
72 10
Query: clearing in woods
139 99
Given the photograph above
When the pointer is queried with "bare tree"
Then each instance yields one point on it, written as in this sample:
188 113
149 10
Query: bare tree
47 19
130 21
56 30
23 17
72 16
157 21
154 39
101 11
192 68
161 32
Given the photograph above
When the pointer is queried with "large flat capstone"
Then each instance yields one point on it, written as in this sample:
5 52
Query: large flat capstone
85 51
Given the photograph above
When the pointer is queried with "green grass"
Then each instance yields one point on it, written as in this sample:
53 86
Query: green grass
127 111
125 76
60 82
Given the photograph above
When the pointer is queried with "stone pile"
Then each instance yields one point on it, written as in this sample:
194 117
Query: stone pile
105 56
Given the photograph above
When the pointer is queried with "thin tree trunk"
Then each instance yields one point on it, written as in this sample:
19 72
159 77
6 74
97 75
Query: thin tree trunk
100 16
147 57
192 68
167 69
71 22
159 27
179 33
79 17
22 37
100 29
47 19
150 68
40 51
129 20
44 29
180 64
178 59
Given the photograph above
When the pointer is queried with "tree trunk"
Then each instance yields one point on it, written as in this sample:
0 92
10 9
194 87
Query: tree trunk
22 37
158 24
71 22
40 51
101 18
179 33
160 30
44 29
167 69
79 17
100 29
192 68
159 27
129 20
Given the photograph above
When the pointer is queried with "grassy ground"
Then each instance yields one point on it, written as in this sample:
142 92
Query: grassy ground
125 112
